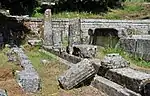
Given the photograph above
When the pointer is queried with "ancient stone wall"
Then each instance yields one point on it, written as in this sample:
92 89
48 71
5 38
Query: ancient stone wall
135 27
124 27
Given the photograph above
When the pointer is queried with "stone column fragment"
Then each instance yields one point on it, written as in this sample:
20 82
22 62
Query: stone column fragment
77 74
48 28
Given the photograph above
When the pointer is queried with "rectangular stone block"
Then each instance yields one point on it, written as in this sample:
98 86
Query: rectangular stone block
130 78
77 74
84 51
111 88
138 45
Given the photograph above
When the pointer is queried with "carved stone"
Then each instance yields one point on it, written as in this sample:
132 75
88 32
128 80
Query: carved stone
48 28
77 74
114 60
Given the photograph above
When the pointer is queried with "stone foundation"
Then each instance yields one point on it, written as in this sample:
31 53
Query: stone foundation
111 88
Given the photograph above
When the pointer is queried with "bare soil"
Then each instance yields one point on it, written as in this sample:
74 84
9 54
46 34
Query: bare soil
8 82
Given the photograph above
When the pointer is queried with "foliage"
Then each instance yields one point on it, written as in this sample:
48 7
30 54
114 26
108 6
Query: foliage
129 11
76 14
134 60
37 13
19 7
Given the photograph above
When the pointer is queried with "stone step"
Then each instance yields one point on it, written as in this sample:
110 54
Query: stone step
111 88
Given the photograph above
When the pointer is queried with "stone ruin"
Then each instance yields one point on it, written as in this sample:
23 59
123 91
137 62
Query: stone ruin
27 78
138 45
115 81
112 75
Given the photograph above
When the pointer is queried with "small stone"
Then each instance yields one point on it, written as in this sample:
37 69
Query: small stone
44 61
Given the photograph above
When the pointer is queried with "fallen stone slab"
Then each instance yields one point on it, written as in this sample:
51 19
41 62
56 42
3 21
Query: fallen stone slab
130 78
3 92
77 74
27 78
111 88
114 60
84 51
29 81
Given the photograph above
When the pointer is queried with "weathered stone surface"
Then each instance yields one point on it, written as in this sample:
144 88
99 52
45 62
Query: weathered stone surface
57 38
48 28
130 78
84 51
3 92
22 57
27 78
138 45
111 88
114 60
64 55
74 33
29 81
77 74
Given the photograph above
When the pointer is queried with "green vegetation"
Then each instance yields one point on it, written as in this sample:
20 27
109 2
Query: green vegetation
132 59
130 10
37 13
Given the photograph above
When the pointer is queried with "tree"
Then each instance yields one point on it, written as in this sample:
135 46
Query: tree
19 7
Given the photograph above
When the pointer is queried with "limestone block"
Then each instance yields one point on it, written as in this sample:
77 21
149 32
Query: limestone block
130 78
114 60
3 92
84 51
77 74
128 45
138 45
29 81
111 88
48 28
57 39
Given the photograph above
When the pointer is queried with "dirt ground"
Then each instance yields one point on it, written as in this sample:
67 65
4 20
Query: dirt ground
48 74
8 82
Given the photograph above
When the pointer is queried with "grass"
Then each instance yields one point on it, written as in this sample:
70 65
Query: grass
4 60
76 14
132 59
49 74
130 10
